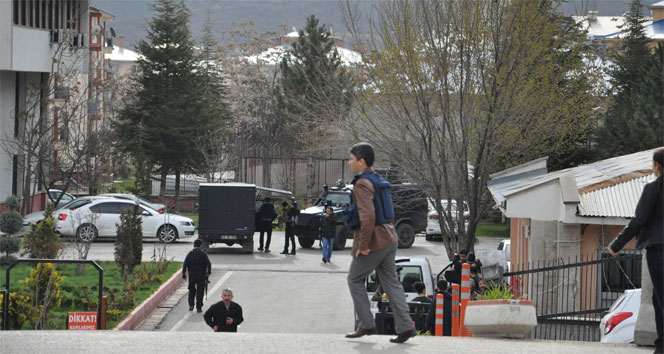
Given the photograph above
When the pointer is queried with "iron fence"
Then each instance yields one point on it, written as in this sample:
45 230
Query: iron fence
571 296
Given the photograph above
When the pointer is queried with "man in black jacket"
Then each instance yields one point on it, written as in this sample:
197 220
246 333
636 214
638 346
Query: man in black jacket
266 214
199 267
225 315
441 288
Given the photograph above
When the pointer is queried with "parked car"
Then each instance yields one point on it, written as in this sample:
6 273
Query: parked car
159 207
617 326
433 225
54 194
506 246
410 270
37 217
100 218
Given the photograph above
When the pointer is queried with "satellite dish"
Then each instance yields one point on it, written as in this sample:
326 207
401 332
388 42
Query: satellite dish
97 30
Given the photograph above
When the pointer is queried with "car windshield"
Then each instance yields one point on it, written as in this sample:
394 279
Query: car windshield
338 198
75 204
408 275
143 201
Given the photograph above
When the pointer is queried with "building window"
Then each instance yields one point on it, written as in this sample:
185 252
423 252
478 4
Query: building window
47 14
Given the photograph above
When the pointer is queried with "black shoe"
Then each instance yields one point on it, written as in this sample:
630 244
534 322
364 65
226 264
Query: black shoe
260 248
191 308
403 336
199 310
267 250
292 253
324 260
361 332
284 252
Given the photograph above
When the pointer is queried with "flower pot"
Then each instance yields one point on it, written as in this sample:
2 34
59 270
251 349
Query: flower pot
500 318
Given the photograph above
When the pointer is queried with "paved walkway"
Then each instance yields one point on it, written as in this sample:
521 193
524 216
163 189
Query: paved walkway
44 342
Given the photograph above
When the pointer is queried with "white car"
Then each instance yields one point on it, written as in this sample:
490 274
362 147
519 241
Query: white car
618 325
161 208
54 194
433 225
37 217
506 246
101 217
410 270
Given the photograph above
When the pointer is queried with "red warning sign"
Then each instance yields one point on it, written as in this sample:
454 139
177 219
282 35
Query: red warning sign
82 321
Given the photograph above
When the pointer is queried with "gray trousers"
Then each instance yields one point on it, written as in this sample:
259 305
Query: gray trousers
383 262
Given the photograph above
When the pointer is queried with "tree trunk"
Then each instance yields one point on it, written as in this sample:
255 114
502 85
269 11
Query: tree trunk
162 183
177 190
27 198
267 171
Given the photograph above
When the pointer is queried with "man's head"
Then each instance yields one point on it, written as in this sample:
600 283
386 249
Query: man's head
441 285
329 210
419 287
227 295
470 257
284 204
361 157
474 269
198 243
463 254
266 200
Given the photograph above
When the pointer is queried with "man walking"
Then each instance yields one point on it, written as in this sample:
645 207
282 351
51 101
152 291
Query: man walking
225 315
371 216
199 267
266 214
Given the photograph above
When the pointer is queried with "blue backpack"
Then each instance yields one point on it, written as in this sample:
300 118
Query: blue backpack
382 202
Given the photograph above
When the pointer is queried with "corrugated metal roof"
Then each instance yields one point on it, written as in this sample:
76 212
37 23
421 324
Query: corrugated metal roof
618 200
585 175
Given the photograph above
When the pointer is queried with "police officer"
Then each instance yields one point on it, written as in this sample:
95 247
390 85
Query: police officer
199 267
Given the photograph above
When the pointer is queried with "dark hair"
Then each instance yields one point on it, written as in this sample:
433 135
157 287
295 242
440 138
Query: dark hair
658 156
266 199
474 268
284 204
198 243
442 284
463 252
363 151
470 257
419 286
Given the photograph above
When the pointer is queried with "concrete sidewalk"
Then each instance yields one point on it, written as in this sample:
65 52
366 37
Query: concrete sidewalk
208 342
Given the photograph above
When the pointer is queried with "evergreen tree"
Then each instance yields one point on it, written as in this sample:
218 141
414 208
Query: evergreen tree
159 126
633 121
314 92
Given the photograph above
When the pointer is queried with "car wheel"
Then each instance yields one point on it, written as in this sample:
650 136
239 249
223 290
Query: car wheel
340 238
305 242
406 235
167 234
86 233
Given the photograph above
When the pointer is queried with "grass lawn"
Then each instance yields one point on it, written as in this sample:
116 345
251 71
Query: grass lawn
79 292
492 230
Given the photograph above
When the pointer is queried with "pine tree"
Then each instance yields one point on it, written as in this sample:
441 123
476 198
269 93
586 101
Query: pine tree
314 92
159 126
633 121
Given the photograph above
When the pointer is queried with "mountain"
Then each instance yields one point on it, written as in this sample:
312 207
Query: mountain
131 16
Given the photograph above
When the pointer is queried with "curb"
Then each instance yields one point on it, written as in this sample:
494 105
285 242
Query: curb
150 304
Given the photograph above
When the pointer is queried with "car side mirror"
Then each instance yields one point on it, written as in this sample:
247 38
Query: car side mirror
145 213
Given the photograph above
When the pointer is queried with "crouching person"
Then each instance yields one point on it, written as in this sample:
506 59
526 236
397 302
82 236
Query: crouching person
225 315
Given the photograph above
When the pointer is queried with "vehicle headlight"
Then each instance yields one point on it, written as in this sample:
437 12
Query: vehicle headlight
186 223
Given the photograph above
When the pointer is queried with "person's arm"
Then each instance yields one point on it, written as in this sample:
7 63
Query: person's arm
643 211
209 318
364 194
237 319
209 265
184 266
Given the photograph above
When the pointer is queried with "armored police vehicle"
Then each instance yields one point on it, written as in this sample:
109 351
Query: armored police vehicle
410 209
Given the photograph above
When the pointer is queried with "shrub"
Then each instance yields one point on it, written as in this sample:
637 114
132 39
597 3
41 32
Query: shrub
19 308
11 222
129 241
12 202
44 287
41 241
9 245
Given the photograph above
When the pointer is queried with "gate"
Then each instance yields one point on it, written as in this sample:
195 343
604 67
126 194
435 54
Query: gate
571 297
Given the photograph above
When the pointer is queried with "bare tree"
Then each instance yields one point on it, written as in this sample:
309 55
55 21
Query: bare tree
459 89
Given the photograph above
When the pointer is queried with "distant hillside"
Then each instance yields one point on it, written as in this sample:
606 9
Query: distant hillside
131 16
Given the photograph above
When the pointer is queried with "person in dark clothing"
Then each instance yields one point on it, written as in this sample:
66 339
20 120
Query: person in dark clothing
225 315
454 275
328 230
291 215
199 267
264 217
648 227
441 288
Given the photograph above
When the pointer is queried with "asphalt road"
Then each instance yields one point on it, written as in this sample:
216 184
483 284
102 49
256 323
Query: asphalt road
278 293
